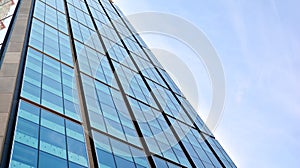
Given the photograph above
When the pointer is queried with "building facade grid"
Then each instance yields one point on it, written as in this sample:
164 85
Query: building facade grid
94 95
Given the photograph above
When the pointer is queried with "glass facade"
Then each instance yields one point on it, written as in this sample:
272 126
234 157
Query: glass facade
94 95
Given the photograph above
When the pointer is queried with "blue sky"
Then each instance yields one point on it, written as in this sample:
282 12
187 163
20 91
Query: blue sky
259 46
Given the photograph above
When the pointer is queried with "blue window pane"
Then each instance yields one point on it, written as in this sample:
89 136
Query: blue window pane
39 10
77 152
36 34
123 162
50 3
69 83
105 159
51 68
50 16
52 85
73 165
29 112
53 143
97 121
74 131
140 166
27 133
171 165
53 122
50 161
65 50
62 25
32 76
31 91
52 101
101 141
160 163
51 42
139 157
23 156
39 129
72 110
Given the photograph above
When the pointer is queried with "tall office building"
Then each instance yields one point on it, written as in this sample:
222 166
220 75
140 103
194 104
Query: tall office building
79 88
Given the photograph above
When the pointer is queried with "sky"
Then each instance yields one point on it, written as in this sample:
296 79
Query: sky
259 46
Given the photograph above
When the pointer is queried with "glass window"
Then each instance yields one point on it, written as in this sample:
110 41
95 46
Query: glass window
169 103
29 112
53 143
114 153
37 32
160 163
50 40
170 81
32 76
105 159
220 152
107 111
76 144
23 156
194 115
52 101
50 161
49 137
123 162
27 133
74 131
77 152
158 137
195 145
51 84
39 10
134 85
53 122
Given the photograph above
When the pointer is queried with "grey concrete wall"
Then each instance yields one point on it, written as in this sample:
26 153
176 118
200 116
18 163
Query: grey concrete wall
10 67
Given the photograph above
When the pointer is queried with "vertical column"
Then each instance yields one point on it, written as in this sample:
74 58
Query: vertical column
10 78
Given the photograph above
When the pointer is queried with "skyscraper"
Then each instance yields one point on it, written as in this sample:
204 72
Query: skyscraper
80 88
